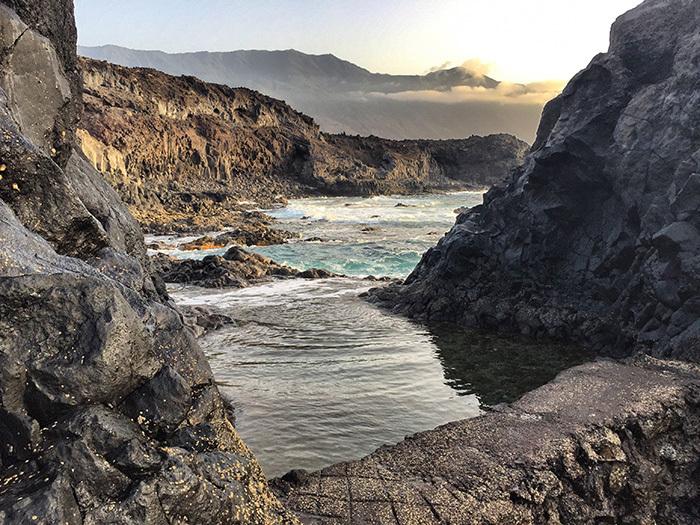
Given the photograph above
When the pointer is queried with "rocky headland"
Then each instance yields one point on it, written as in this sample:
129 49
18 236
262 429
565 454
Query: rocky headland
596 238
188 155
108 409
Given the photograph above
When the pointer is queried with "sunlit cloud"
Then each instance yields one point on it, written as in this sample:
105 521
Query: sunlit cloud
444 65
504 92
477 67
469 82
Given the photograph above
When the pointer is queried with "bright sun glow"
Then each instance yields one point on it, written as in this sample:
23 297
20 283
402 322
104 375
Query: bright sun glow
518 41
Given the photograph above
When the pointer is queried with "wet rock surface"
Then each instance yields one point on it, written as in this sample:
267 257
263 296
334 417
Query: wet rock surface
237 268
185 154
595 238
202 320
603 443
108 409
245 235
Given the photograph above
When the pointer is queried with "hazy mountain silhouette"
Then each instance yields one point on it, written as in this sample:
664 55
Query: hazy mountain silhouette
342 96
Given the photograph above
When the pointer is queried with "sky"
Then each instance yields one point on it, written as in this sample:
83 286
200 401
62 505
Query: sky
515 40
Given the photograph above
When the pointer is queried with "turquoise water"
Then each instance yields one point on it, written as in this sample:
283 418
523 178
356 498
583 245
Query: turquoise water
380 236
355 236
318 375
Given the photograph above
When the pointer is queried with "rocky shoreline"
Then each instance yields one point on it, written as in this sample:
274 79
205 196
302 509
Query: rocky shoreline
594 239
605 442
110 412
186 155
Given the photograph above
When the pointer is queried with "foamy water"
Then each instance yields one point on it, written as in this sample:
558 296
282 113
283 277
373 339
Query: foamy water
380 236
317 375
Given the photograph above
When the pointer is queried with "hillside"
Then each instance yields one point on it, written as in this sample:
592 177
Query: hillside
343 97
180 147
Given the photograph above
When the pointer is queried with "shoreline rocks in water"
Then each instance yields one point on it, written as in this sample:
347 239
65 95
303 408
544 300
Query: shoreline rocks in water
259 236
109 412
203 319
184 154
605 442
596 238
237 268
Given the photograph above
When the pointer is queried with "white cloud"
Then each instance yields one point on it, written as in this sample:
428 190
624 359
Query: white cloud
505 92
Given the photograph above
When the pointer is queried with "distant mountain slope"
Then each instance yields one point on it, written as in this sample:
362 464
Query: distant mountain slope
179 147
344 97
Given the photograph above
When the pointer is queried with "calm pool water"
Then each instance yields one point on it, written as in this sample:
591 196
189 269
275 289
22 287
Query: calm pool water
317 375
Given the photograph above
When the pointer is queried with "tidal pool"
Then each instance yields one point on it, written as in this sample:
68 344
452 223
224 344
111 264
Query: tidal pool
317 375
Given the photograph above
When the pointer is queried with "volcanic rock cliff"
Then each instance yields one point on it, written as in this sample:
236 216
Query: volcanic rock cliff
177 147
596 237
108 409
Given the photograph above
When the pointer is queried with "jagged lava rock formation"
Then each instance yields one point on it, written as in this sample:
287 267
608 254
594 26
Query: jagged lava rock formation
596 236
179 149
108 409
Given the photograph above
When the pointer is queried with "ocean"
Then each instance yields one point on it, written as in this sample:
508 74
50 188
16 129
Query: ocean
317 375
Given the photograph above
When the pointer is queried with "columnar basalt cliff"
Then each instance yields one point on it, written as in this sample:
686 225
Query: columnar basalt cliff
596 237
108 409
178 148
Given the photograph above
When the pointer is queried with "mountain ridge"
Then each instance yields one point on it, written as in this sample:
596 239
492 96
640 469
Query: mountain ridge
344 97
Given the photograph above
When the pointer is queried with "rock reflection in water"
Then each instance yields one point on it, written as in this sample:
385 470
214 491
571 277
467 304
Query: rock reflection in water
318 376
499 368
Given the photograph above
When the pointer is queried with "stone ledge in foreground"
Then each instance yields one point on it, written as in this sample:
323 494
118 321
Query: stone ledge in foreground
605 442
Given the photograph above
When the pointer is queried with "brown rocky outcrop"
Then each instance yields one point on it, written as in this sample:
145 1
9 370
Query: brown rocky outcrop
179 149
108 409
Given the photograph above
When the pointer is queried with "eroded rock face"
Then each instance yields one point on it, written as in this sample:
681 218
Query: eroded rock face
596 237
603 443
179 149
108 409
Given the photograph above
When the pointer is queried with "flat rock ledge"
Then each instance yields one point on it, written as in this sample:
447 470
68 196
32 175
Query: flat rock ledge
605 442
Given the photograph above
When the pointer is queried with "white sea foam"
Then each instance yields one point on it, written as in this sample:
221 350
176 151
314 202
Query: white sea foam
380 236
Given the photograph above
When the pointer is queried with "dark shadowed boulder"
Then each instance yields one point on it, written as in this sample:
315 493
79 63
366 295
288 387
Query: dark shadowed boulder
108 408
595 237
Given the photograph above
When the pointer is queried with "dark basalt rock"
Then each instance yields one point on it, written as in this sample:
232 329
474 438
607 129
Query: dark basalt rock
202 320
236 269
108 409
595 238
